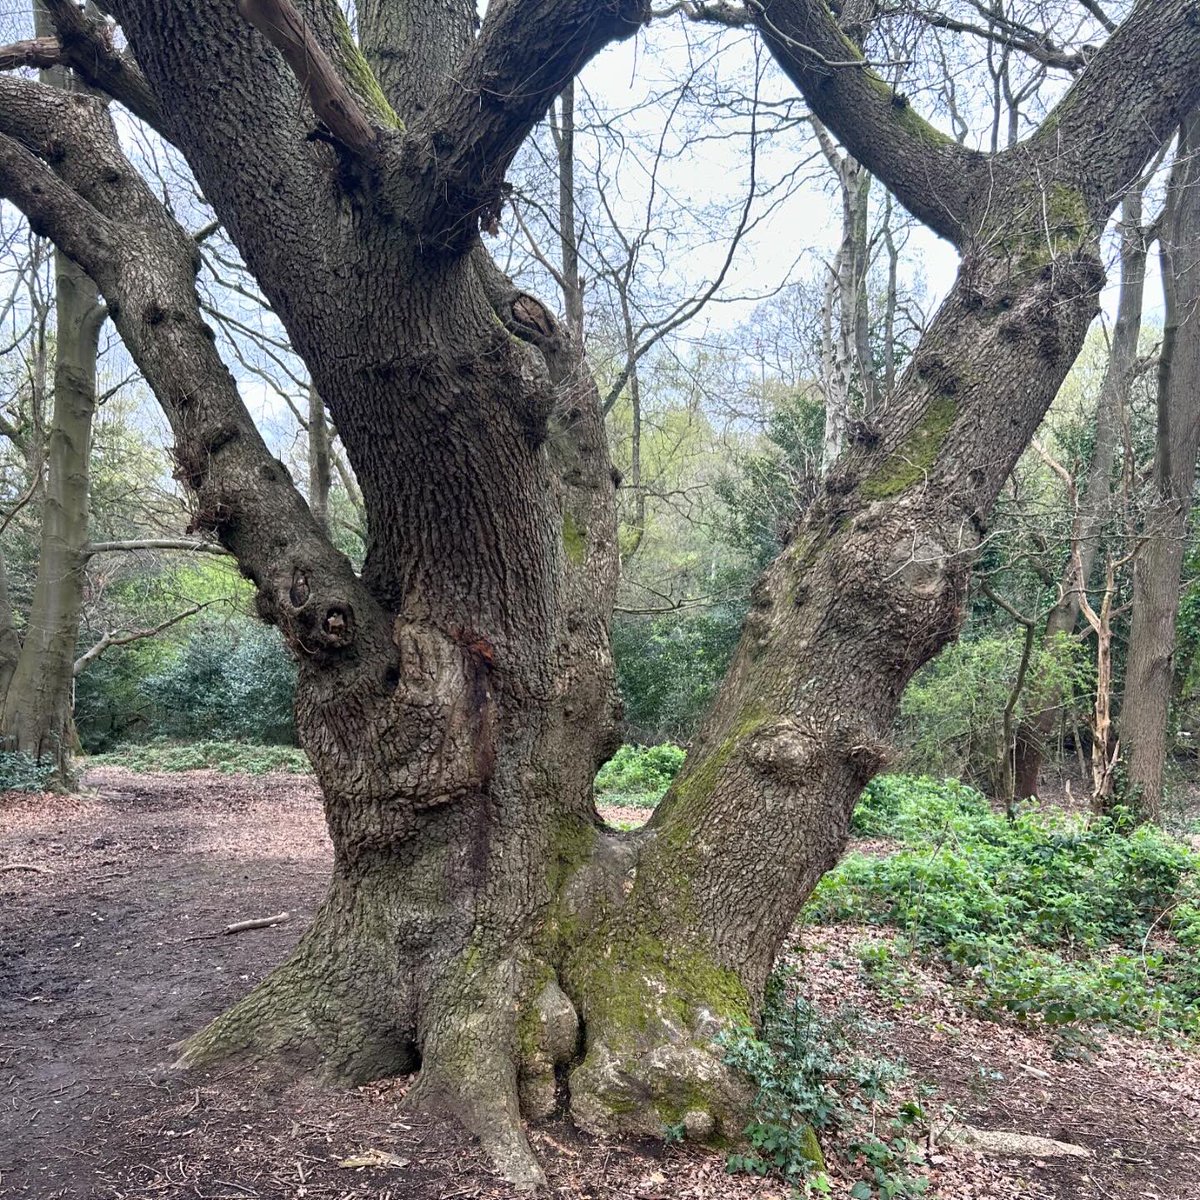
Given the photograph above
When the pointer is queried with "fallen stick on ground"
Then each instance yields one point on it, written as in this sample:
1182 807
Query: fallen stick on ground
243 926
25 867
1022 1145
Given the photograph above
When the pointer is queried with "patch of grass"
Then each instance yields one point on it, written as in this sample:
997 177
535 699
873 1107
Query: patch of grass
1048 917
638 776
234 758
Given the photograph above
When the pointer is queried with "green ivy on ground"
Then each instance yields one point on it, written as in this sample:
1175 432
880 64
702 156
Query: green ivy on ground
814 1089
242 758
1049 916
20 772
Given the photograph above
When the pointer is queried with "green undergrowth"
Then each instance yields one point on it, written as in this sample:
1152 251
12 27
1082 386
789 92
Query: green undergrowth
817 1093
1049 917
20 772
638 776
234 758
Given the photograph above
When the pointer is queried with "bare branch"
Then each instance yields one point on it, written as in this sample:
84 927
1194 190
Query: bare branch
526 53
1094 8
34 52
928 172
1139 86
123 637
1039 48
54 210
154 544
86 45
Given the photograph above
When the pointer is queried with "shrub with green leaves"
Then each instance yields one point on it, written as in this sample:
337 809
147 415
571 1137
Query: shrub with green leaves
951 713
21 772
638 776
1046 916
233 682
669 667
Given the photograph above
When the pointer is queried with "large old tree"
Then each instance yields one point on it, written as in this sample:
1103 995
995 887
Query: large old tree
457 696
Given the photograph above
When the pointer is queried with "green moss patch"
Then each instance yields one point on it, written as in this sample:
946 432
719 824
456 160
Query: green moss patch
911 463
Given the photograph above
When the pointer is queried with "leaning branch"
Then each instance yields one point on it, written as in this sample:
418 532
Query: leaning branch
928 172
1139 86
53 209
104 216
34 52
86 46
526 53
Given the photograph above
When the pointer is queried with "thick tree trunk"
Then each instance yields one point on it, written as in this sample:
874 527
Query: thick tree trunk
457 743
1045 693
457 698
37 717
1158 567
872 586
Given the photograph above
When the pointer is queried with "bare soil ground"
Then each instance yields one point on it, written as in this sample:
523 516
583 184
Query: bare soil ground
98 979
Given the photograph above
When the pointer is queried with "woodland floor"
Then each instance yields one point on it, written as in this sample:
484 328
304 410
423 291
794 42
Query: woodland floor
97 979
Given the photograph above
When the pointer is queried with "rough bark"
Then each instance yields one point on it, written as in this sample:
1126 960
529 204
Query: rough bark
1045 699
457 698
319 459
1158 566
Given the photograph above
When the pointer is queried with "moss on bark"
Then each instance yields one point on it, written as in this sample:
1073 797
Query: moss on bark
912 462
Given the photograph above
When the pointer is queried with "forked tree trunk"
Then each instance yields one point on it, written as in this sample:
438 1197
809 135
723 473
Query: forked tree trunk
36 717
1045 697
457 698
1158 567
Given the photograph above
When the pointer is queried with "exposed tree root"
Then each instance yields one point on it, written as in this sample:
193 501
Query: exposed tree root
339 1005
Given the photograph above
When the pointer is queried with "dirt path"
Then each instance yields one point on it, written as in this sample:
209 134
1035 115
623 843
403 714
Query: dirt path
97 980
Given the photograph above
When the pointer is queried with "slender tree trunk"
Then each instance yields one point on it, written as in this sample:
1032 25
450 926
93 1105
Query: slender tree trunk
1045 692
1105 747
572 282
1008 790
849 385
636 529
37 718
888 355
10 642
1158 567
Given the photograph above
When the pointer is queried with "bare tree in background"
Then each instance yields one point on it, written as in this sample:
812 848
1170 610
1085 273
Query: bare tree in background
1158 567
36 714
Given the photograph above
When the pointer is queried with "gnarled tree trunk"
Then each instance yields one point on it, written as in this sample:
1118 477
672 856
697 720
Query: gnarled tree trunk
457 697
